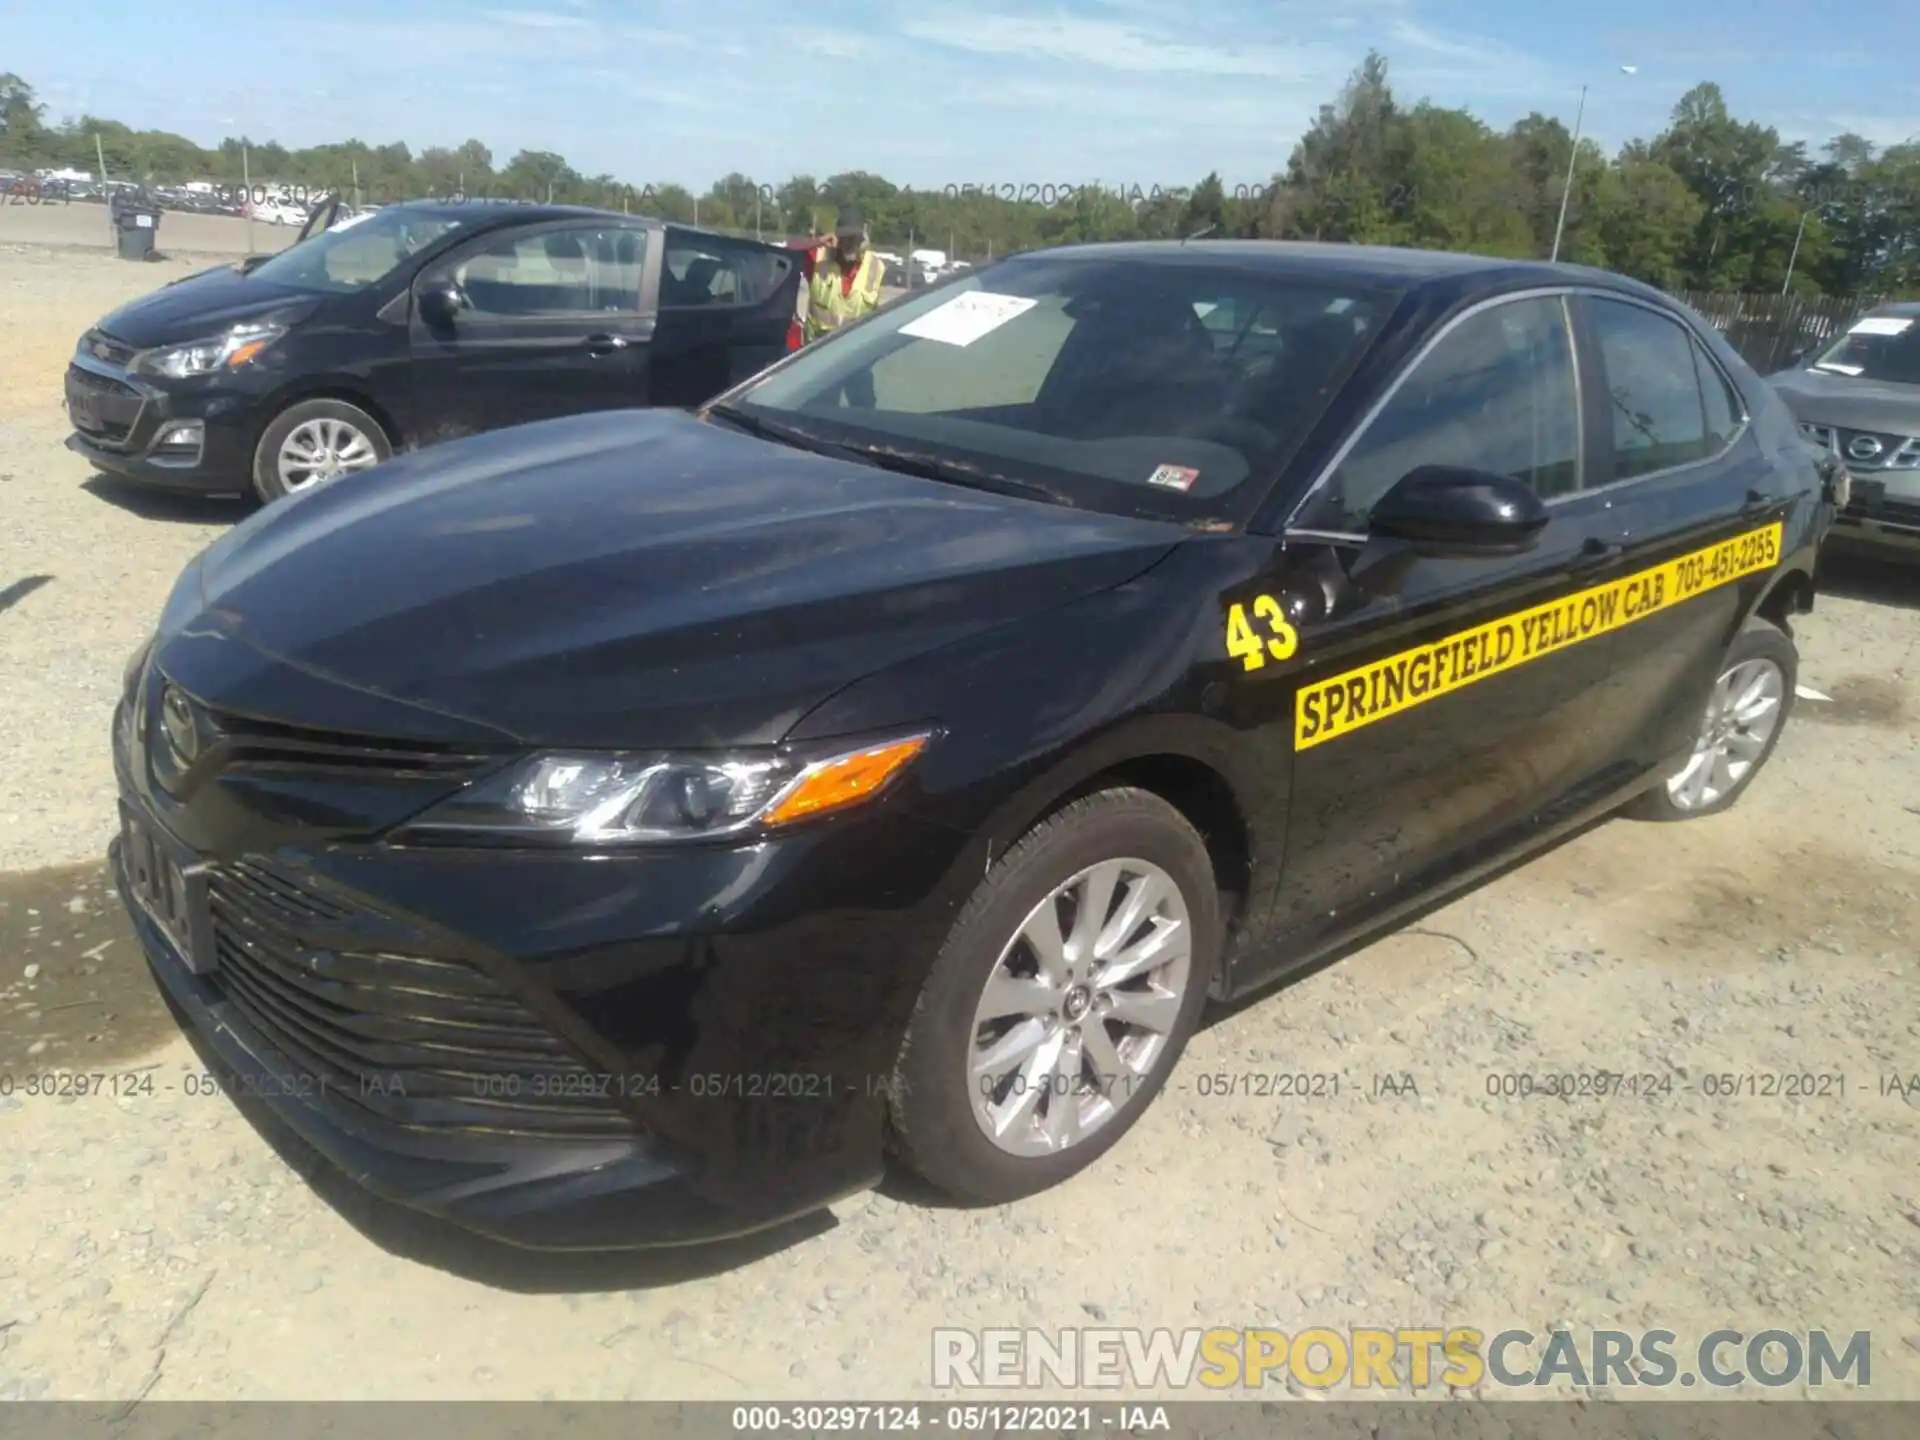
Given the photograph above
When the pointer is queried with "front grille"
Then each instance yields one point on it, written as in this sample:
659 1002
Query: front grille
1897 452
268 743
101 384
433 1045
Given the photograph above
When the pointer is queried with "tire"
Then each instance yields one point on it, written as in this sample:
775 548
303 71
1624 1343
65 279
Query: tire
1120 836
319 419
1761 663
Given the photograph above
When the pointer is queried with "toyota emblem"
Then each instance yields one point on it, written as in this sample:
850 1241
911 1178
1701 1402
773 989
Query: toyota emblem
1864 447
176 718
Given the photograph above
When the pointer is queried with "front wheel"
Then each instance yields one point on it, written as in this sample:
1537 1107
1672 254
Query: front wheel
1742 722
313 442
1061 1000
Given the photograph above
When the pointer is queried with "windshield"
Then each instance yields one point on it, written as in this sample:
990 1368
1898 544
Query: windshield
344 259
1136 385
1880 347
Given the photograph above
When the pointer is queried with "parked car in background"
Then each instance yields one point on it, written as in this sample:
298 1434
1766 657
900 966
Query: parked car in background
414 324
1858 398
635 828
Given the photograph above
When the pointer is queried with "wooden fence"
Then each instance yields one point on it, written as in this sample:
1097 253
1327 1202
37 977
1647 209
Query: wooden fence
1769 330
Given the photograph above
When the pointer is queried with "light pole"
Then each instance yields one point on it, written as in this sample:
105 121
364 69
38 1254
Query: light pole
1566 191
1795 253
1573 156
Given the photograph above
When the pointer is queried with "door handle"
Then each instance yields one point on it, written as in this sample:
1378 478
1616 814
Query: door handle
1595 552
606 344
1757 501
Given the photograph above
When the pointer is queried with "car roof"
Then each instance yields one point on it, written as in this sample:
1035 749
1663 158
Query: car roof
514 212
1378 267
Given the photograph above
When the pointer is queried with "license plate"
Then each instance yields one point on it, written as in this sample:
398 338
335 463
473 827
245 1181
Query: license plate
169 893
81 413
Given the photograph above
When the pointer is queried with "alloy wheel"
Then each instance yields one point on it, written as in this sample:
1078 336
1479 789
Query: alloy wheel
1079 1007
1741 716
320 449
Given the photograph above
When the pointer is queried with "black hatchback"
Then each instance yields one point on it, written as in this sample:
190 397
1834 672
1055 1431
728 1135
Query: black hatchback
413 324
669 818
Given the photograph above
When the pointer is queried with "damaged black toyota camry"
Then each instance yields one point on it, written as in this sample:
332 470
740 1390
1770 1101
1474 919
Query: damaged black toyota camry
639 828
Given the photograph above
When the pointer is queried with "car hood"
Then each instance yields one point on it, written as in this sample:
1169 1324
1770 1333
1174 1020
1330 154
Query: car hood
198 306
630 578
1852 404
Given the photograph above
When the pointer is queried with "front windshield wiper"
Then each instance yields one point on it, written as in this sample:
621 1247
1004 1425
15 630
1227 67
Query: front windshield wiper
903 462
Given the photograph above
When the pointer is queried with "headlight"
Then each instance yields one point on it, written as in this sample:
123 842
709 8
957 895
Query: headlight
203 357
662 798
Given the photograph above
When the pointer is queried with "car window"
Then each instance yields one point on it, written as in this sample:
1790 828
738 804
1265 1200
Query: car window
710 270
1725 411
1093 377
1653 390
353 258
1882 346
1496 393
587 269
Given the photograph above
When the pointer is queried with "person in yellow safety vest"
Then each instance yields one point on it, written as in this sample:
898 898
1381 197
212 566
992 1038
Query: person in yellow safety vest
843 276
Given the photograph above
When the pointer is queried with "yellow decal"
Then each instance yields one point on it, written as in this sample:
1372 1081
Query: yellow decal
1341 704
1245 643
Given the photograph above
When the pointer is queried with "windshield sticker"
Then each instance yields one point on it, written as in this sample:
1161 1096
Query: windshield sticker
1343 703
965 318
1882 325
1843 369
1174 477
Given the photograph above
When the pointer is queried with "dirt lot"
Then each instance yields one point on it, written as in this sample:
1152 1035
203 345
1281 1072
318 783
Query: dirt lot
161 1245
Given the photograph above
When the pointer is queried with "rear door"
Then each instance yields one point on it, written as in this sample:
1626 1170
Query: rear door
552 323
1698 509
725 306
1442 707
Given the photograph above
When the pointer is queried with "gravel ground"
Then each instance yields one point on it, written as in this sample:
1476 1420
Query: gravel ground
165 1245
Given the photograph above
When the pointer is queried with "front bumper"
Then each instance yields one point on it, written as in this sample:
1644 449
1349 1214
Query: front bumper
737 1014
1883 513
544 1197
133 428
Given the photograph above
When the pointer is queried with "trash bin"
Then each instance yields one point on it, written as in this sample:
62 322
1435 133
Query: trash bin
136 225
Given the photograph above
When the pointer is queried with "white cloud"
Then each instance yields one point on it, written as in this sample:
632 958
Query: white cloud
538 20
1111 45
1419 37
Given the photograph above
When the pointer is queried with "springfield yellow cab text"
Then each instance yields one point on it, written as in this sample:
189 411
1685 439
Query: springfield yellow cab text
1341 704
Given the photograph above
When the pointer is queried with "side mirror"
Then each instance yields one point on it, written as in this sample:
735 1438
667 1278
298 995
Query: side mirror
1449 511
440 301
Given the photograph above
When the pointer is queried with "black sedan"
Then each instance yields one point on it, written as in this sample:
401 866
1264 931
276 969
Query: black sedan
415 324
666 819
1858 398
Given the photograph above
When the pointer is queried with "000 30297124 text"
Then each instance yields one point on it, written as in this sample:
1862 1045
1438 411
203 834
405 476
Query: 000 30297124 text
1340 704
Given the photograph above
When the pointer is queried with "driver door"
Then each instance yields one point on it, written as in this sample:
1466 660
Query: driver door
1420 739
553 322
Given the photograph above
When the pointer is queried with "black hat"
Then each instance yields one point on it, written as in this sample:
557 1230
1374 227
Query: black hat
850 221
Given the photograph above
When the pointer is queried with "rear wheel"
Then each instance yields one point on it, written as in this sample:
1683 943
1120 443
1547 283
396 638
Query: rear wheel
1741 724
1061 1000
315 441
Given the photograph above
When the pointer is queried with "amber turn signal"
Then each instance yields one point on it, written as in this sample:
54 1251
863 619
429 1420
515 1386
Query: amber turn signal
844 780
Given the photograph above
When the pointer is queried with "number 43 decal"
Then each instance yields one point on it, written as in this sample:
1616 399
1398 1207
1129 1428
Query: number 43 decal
1244 641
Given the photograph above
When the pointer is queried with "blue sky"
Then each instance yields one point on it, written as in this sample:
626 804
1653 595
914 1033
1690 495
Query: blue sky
940 91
